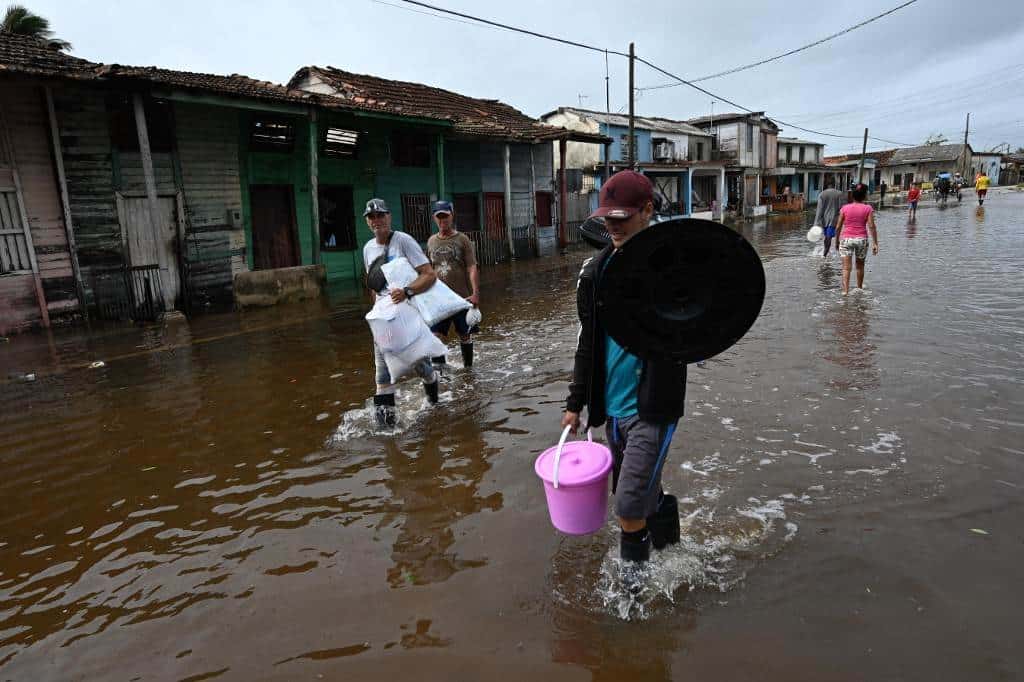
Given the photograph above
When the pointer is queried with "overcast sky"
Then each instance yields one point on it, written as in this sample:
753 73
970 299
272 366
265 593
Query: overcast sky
913 73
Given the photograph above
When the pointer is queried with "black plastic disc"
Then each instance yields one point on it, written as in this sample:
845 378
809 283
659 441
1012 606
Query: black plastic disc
684 289
594 233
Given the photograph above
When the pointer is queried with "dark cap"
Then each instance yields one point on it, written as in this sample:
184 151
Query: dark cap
376 206
441 207
623 195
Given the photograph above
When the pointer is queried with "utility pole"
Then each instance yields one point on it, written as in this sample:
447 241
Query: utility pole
630 139
967 128
863 153
608 111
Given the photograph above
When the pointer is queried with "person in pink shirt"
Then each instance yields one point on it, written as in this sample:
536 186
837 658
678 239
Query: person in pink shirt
856 220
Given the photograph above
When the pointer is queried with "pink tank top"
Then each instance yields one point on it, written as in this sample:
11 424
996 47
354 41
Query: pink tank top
855 223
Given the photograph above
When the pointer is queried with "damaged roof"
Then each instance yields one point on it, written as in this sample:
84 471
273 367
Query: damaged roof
31 57
652 123
927 153
469 116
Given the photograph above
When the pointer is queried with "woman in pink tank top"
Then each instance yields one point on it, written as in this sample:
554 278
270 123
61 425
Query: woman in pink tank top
856 220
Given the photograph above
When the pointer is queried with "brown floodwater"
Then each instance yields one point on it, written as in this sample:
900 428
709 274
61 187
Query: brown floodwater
214 501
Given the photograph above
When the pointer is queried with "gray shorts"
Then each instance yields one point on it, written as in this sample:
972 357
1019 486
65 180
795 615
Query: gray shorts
424 369
638 450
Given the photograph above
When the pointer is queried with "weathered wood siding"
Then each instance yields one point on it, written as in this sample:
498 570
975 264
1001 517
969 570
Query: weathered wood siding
214 251
28 126
85 139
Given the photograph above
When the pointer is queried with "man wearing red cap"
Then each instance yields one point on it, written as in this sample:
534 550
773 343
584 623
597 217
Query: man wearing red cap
640 399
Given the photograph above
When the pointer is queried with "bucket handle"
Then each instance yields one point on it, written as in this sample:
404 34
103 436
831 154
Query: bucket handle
561 444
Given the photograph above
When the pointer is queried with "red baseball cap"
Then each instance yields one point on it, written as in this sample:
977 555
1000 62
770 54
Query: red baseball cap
624 195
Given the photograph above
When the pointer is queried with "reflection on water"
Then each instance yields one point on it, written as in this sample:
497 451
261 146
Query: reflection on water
214 499
852 349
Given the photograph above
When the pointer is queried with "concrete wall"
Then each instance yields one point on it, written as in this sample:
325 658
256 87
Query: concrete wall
990 163
578 154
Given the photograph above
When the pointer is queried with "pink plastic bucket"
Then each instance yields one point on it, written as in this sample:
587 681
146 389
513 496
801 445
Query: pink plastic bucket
575 477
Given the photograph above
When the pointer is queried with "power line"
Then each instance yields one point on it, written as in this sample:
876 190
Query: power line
535 34
788 53
682 81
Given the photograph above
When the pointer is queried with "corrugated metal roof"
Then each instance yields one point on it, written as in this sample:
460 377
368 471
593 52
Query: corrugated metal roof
928 153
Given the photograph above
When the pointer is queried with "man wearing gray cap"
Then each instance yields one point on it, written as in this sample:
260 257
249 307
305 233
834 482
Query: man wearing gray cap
384 247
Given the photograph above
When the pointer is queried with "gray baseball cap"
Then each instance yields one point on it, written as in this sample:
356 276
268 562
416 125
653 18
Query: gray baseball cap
376 206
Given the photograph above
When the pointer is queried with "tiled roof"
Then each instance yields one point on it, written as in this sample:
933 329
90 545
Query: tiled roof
28 56
22 54
470 116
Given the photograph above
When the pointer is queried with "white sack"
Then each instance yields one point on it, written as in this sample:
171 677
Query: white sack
401 363
437 303
395 325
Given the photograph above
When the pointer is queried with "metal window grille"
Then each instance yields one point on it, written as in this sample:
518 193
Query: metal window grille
416 216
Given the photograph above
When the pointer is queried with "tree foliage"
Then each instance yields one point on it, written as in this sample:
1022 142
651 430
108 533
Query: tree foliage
936 138
20 21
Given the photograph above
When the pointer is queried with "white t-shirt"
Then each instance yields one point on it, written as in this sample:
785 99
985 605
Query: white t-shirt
402 245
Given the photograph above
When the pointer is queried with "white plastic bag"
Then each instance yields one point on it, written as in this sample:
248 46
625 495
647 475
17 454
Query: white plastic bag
814 234
437 303
401 363
395 325
473 317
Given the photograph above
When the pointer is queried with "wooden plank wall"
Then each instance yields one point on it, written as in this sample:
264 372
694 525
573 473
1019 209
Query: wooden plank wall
88 165
28 125
207 142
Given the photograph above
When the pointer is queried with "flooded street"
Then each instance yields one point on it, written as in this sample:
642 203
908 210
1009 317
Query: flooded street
214 501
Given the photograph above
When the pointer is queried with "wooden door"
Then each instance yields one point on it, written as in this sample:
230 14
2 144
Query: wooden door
494 215
273 227
545 217
144 246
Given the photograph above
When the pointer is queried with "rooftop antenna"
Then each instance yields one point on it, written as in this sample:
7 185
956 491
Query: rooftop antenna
580 97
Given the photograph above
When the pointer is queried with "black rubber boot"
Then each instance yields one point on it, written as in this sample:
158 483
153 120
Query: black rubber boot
467 354
664 523
384 409
431 391
635 545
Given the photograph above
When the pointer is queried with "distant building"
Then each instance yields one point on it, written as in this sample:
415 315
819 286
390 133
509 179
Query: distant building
673 154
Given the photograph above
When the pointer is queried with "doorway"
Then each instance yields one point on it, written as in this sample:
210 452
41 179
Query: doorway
145 248
273 227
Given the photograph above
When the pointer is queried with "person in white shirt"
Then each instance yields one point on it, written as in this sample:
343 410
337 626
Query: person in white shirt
384 247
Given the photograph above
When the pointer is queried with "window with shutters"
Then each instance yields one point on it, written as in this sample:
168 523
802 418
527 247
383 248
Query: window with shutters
272 135
339 143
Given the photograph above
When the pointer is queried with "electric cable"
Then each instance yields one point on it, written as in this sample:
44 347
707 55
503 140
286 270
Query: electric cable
788 53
